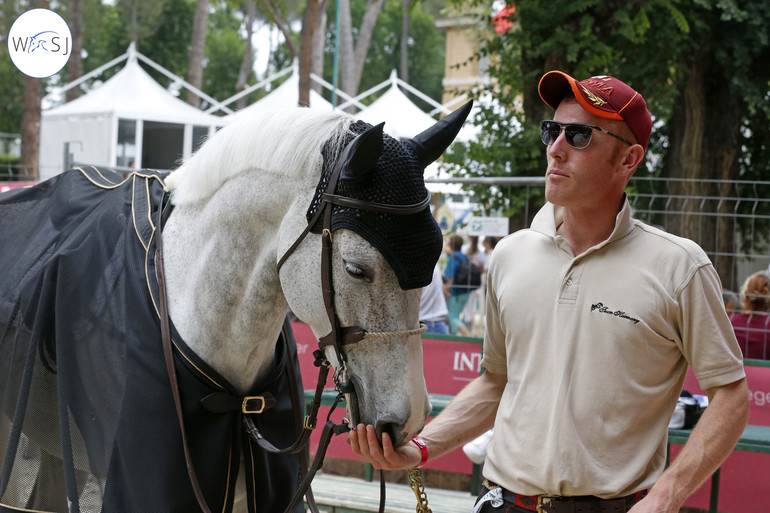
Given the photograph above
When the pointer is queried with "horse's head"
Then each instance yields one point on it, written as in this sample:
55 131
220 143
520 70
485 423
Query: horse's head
380 245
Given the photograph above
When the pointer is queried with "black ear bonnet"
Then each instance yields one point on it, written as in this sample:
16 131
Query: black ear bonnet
410 243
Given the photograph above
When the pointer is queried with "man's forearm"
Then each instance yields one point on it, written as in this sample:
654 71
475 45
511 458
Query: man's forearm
471 413
712 440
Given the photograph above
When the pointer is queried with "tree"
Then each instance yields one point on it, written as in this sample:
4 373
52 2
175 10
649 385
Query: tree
30 117
225 54
309 21
425 48
703 71
726 79
353 52
141 18
245 71
75 64
197 50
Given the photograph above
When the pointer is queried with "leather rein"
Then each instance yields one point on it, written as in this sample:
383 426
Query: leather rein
338 338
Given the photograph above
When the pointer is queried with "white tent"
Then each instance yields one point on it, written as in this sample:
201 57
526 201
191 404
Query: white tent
284 96
403 119
129 120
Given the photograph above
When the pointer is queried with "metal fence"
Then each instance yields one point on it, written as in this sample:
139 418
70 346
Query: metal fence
730 220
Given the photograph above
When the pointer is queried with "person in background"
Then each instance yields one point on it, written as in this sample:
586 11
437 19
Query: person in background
489 244
732 303
433 309
592 319
752 322
476 254
455 293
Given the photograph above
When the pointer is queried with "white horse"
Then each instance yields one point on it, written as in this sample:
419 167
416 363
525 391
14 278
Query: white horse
243 245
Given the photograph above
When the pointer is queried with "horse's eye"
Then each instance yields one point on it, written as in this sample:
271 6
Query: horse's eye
356 271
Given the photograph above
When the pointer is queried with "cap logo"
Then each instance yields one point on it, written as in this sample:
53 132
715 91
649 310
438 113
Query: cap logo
593 98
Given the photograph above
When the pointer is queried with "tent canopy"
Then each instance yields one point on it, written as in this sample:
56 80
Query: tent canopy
403 119
128 121
133 94
284 96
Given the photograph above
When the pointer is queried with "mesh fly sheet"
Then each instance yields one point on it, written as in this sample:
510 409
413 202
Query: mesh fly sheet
87 419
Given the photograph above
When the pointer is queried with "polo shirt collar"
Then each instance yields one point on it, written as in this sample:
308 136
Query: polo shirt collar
548 219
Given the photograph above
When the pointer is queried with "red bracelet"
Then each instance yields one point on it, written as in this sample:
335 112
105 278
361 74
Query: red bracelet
423 451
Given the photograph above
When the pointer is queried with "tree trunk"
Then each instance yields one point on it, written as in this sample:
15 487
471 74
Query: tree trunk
703 151
30 118
197 50
319 38
75 64
283 26
353 56
406 19
250 9
30 127
306 49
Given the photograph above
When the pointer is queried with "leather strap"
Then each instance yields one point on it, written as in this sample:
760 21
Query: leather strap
168 354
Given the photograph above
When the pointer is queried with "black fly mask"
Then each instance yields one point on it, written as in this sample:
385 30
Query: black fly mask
389 172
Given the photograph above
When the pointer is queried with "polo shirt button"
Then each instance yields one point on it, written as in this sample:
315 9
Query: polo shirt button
569 281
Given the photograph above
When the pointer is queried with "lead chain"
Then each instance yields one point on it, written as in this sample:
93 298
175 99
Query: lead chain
415 481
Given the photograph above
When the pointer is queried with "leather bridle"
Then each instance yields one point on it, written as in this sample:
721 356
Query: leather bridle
341 336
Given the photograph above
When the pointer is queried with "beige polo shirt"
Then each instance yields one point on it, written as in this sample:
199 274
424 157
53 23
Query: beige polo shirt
595 349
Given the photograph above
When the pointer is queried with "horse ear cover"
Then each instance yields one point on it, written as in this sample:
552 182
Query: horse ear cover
385 170
361 160
431 143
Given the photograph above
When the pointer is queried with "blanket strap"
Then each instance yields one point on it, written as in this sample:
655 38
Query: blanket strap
168 353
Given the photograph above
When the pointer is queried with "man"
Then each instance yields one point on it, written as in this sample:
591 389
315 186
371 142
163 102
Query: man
592 319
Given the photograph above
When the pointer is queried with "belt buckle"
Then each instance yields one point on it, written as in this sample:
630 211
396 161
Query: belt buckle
542 502
258 410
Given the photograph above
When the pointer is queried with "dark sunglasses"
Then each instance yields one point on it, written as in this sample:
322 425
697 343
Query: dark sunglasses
578 135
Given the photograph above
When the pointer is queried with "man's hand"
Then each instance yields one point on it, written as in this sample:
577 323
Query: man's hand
363 441
651 504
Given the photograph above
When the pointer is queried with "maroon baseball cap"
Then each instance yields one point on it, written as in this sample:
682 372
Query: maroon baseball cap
603 96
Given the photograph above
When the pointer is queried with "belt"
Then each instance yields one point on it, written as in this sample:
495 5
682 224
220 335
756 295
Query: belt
579 504
575 504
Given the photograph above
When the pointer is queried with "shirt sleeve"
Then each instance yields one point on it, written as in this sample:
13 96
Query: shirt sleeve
494 353
708 340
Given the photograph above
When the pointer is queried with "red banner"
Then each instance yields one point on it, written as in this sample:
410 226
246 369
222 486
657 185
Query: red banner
744 474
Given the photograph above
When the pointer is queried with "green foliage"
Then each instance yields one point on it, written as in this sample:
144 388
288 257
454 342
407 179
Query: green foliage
224 53
583 38
169 45
11 94
426 49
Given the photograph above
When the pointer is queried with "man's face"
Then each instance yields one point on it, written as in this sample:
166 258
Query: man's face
585 178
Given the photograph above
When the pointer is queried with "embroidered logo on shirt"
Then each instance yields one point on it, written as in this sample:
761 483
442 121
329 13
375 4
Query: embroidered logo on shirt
599 307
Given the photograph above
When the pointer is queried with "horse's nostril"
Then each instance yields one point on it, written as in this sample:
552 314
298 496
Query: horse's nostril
392 429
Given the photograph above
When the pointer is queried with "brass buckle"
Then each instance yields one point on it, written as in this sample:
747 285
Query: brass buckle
308 426
543 500
244 406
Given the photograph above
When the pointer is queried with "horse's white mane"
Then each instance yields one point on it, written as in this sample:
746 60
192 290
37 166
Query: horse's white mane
275 140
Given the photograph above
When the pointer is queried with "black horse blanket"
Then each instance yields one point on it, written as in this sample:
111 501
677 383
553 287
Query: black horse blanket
87 419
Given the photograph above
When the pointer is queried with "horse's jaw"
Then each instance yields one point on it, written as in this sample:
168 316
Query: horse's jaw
398 406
